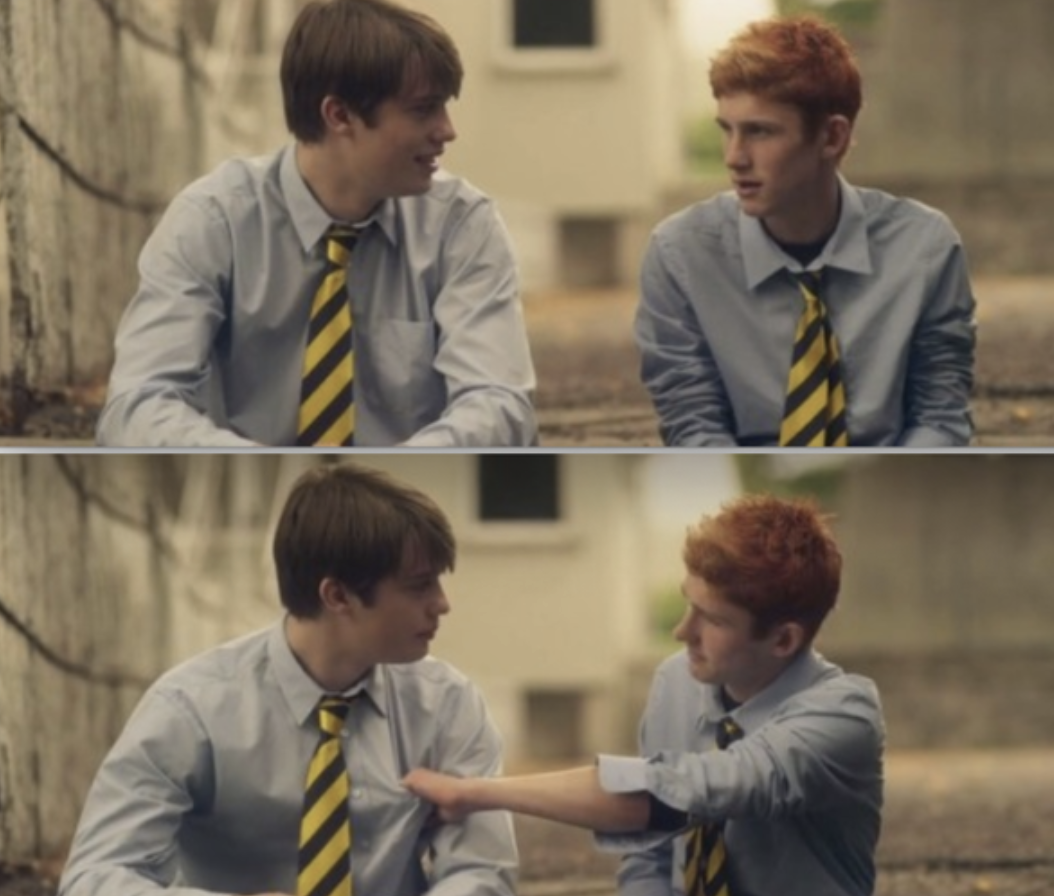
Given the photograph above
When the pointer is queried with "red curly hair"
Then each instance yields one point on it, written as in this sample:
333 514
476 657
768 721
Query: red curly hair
802 61
775 558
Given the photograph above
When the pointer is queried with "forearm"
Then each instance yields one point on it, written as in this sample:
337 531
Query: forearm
572 797
157 421
486 417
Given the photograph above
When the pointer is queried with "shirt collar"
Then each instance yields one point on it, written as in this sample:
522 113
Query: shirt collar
310 219
846 249
302 693
803 671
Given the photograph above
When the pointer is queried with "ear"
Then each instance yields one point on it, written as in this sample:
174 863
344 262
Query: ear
836 134
337 116
335 597
789 639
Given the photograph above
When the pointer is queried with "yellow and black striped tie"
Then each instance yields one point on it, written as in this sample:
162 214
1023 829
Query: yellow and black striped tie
327 395
706 862
324 867
814 413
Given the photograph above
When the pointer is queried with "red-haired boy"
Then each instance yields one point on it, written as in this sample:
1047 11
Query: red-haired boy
798 309
762 768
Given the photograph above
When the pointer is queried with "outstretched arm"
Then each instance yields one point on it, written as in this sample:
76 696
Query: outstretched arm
572 797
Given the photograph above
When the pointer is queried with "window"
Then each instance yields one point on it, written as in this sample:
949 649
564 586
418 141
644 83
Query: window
519 487
539 24
545 36
554 722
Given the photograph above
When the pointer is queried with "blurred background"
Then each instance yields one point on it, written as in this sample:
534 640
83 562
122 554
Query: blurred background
588 121
113 568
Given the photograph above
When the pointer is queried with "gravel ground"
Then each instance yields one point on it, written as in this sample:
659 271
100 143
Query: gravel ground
589 394
955 824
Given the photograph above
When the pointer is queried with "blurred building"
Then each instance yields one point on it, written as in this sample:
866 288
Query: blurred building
548 610
571 118
957 100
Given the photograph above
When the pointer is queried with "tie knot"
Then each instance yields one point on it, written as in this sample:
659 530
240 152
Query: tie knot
727 732
811 281
332 711
343 236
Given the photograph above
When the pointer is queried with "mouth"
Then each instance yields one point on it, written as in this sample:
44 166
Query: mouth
430 162
428 635
747 188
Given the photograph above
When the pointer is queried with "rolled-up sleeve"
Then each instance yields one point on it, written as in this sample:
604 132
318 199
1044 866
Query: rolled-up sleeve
482 353
478 857
822 751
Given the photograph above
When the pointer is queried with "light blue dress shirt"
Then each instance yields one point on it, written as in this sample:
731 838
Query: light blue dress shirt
801 793
210 350
203 791
719 308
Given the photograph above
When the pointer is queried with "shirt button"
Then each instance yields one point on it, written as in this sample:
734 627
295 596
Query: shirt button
356 794
345 734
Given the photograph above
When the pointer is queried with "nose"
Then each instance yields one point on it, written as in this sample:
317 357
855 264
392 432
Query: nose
735 152
445 132
681 630
442 604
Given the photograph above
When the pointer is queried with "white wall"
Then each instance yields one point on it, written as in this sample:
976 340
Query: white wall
547 607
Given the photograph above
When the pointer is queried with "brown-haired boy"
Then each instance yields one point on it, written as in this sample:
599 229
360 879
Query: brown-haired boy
271 764
342 291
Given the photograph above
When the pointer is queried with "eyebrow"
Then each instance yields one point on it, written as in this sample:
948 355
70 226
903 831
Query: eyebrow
706 614
755 122
414 99
421 575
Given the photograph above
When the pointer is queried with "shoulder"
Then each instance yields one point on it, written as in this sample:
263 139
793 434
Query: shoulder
907 220
673 679
838 693
431 684
695 243
233 666
673 667
234 187
710 223
450 198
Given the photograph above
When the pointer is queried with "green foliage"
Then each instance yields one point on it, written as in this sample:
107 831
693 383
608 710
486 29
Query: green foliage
822 483
705 148
847 14
667 608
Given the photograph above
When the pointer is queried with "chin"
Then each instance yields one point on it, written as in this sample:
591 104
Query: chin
701 673
754 209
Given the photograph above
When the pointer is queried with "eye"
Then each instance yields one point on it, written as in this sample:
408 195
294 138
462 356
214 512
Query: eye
428 109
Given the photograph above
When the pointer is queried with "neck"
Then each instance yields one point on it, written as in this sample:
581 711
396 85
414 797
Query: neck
742 691
335 191
315 645
813 218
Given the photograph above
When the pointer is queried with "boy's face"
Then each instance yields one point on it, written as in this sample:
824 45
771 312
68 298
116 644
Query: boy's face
399 154
399 625
779 173
722 648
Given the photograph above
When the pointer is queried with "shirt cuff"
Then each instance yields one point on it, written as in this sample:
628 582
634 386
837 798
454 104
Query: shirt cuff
627 774
622 774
